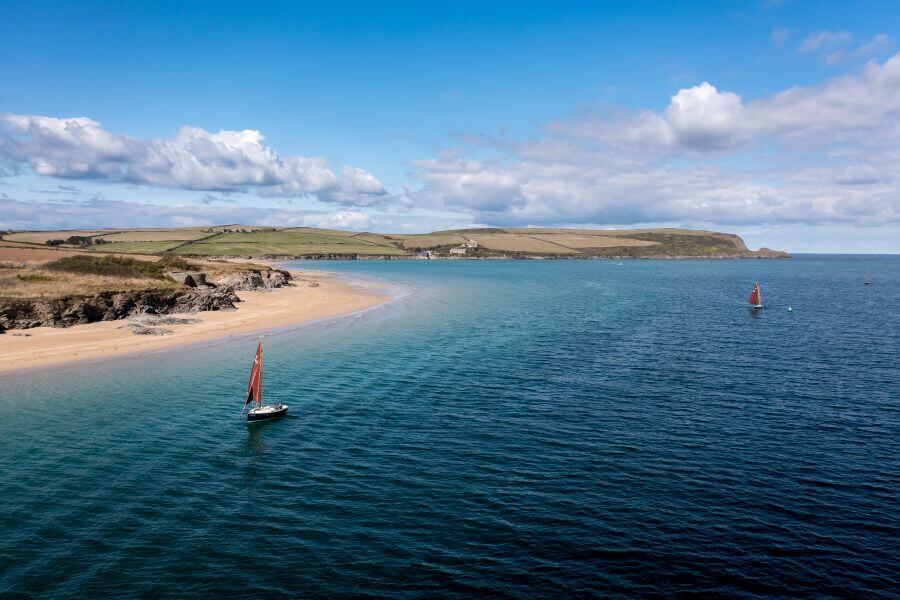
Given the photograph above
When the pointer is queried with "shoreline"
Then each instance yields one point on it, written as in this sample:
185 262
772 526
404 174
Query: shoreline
258 313
275 260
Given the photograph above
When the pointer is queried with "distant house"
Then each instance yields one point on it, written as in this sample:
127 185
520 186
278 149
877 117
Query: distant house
471 244
461 250
425 254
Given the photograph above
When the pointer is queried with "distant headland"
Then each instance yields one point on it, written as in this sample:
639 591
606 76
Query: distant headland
261 242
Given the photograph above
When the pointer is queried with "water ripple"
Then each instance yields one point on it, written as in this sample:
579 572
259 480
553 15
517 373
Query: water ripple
504 429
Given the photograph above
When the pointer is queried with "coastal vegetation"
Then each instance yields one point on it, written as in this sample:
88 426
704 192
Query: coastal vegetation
36 271
118 266
34 277
289 242
75 287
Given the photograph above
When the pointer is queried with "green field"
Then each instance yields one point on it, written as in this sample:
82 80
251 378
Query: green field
137 247
287 242
155 235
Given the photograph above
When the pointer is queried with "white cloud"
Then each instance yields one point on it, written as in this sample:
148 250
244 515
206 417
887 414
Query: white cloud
193 159
344 219
825 153
709 157
704 117
362 182
824 39
101 212
834 47
878 43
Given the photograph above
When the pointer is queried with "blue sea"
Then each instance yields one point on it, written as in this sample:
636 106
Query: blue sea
503 428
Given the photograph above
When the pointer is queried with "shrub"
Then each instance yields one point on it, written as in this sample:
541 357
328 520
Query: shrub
117 266
34 277
79 240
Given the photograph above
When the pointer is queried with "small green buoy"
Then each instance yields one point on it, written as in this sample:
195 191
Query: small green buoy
790 309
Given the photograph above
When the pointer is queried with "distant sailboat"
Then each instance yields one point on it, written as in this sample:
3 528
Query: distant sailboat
755 297
867 280
260 412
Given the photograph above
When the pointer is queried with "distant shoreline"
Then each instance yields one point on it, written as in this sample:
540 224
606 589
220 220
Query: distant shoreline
315 296
310 243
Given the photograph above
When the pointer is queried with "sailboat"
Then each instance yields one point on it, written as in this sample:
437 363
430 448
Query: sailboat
755 297
260 412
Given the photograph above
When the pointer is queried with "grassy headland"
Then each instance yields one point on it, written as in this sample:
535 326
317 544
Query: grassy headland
307 242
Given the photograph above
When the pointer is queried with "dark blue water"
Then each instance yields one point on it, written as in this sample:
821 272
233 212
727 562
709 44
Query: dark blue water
517 429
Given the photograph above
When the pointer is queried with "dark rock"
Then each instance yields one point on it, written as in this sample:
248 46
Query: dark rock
254 279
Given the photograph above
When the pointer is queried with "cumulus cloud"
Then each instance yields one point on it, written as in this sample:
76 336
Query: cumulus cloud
700 118
704 117
709 157
193 159
825 153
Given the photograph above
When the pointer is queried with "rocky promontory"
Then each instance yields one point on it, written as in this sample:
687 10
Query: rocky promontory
25 313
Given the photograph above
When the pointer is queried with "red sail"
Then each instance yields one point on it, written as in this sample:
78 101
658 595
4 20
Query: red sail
754 296
254 390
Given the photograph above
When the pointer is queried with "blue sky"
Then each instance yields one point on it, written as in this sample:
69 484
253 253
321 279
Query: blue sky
463 113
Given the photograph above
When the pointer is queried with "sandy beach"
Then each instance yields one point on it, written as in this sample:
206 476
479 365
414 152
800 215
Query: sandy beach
301 303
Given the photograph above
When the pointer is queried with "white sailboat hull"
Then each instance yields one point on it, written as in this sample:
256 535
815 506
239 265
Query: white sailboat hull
266 412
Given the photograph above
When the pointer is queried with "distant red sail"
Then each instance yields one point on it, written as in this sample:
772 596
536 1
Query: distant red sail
254 389
754 296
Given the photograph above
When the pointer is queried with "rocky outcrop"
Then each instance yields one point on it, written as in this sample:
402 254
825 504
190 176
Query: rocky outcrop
769 253
111 306
192 279
255 279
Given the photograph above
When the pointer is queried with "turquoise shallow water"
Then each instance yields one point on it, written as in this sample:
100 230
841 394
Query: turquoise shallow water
517 429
